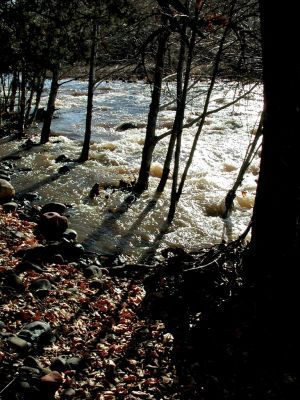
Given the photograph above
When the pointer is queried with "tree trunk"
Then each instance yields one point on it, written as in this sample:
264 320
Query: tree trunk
89 110
176 124
274 259
39 91
14 88
45 134
181 112
150 142
22 105
29 102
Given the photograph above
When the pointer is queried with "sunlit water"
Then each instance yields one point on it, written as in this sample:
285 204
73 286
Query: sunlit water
116 155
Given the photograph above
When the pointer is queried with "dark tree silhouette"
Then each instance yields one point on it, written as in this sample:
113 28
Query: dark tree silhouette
275 245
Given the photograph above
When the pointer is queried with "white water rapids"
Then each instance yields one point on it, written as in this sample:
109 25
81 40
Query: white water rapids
116 155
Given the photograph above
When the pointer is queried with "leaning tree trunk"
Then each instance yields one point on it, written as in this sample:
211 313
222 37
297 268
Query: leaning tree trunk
274 261
45 134
150 139
89 110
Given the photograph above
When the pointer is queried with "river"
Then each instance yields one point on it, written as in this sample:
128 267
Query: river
116 155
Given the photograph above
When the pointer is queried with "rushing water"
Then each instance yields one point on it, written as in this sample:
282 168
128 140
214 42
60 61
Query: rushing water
116 155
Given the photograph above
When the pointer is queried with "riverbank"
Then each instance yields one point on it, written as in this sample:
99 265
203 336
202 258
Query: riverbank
76 326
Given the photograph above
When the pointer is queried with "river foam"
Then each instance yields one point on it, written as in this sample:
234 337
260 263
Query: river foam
116 155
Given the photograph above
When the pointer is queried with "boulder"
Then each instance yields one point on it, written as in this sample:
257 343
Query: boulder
7 191
59 208
52 225
126 125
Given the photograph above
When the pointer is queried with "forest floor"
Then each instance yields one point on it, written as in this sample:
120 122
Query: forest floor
180 329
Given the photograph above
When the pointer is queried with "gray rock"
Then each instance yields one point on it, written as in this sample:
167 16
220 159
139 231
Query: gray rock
7 191
40 287
37 332
18 343
10 206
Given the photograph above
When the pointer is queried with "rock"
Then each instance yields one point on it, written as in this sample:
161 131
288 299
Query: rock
126 125
96 284
29 143
63 363
32 362
40 287
76 363
64 169
95 191
40 114
52 381
52 225
10 207
37 332
70 234
62 158
59 364
69 250
72 252
59 208
92 271
7 191
30 196
19 344
28 382
68 393
27 265
58 259
5 177
14 281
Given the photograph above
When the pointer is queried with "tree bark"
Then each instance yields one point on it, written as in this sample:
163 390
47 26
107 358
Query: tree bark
178 116
14 88
45 134
21 121
39 91
274 260
150 142
89 110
